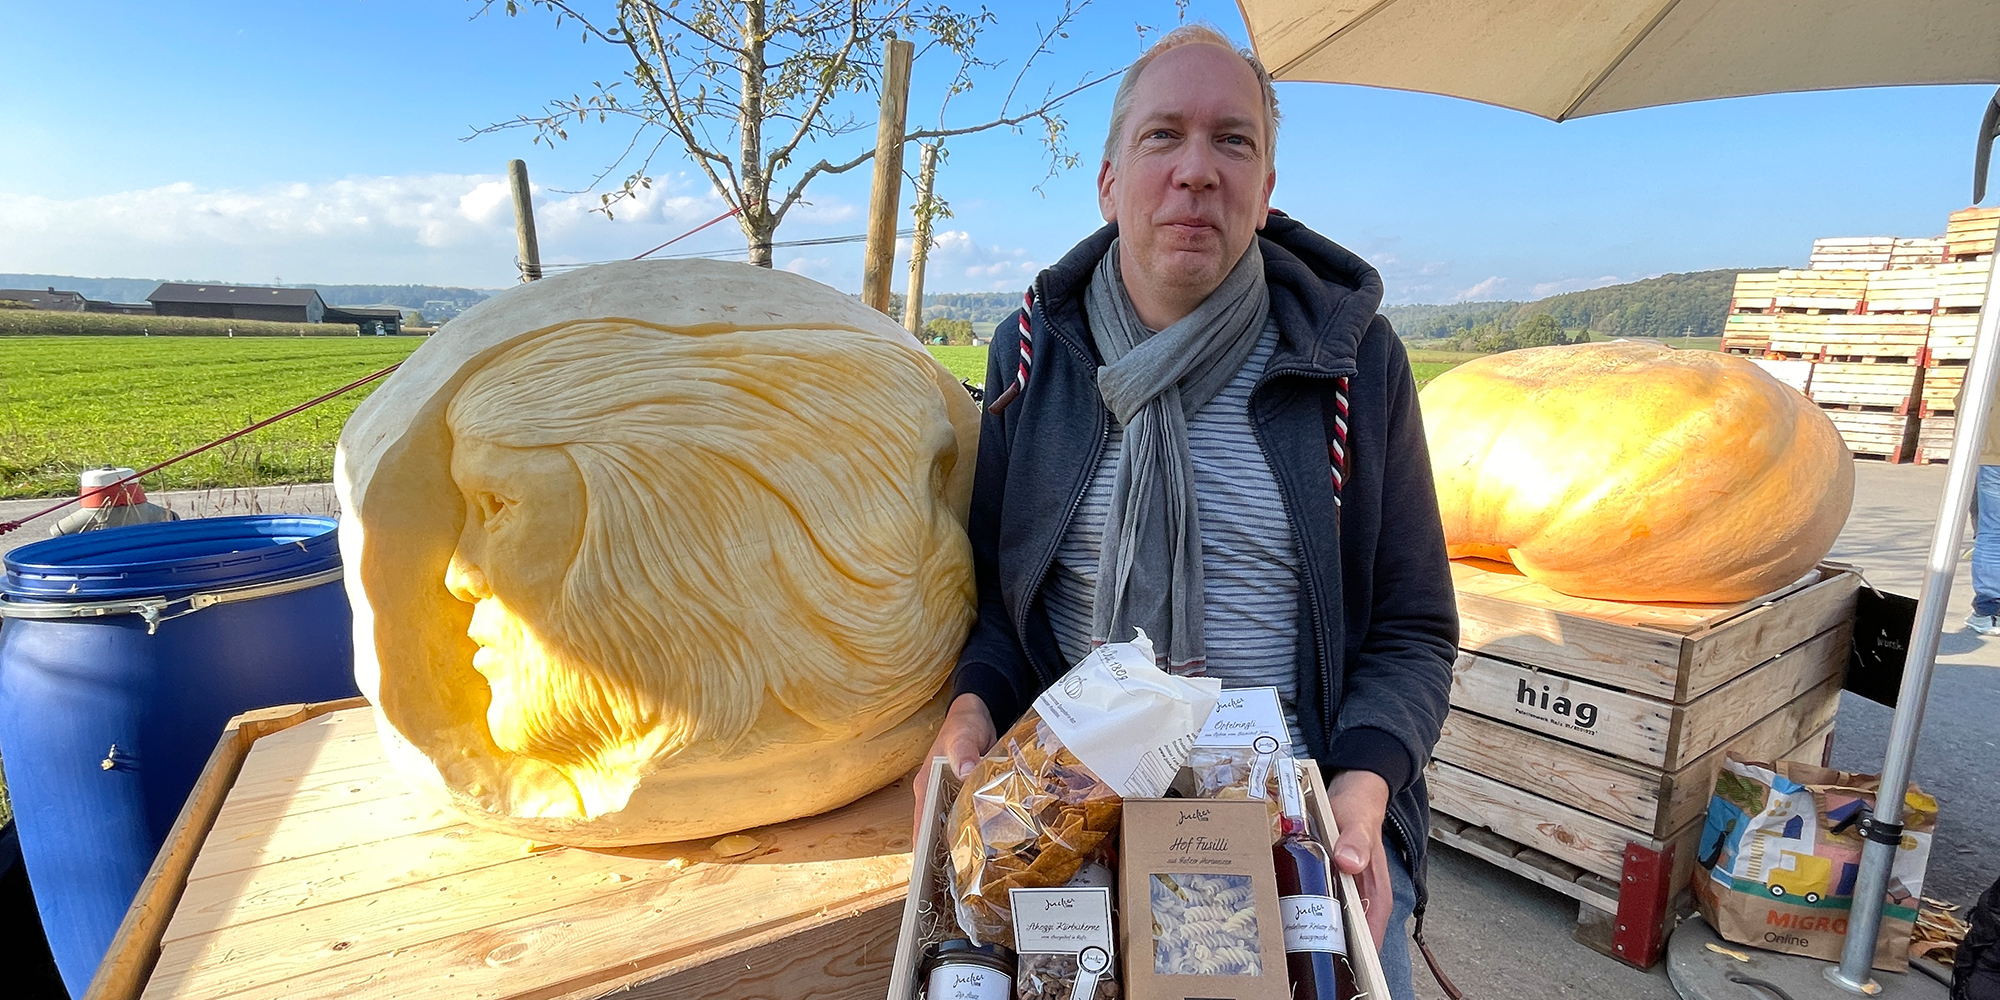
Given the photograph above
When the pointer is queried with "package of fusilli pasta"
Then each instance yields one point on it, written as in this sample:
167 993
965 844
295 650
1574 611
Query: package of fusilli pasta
1199 900
1048 794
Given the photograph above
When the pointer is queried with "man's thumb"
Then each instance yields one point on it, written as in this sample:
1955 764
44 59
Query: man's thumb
1350 853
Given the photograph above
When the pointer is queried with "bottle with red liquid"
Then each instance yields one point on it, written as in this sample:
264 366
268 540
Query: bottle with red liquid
1309 900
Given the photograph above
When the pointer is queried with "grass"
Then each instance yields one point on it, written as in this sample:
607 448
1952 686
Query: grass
71 403
47 323
968 363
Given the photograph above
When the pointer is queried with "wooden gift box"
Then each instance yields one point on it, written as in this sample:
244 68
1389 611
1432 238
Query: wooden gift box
928 916
301 867
1585 736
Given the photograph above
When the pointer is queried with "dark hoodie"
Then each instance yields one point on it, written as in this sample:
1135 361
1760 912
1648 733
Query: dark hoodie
1378 622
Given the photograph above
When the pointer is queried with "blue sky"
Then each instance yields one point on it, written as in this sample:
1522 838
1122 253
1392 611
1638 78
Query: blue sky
328 142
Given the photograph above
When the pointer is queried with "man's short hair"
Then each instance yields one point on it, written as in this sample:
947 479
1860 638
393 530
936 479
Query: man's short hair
1192 34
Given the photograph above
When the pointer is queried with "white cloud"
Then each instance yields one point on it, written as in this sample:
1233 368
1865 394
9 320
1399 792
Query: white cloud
426 228
1487 289
958 263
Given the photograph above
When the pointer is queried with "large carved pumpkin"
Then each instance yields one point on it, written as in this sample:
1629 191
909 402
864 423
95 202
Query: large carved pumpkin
1634 472
659 550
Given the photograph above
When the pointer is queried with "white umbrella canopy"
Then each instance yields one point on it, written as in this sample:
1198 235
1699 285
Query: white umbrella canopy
1563 59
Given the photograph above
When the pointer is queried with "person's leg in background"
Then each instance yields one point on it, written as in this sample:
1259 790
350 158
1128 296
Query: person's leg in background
1985 618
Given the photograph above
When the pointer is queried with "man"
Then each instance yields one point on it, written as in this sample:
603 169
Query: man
1213 436
1985 618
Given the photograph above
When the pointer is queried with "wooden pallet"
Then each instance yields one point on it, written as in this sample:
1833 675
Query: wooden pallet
1934 439
1754 291
1824 291
1858 253
317 873
1884 435
1951 338
1918 253
1942 383
1962 286
1627 915
1893 338
1971 231
1748 333
1888 387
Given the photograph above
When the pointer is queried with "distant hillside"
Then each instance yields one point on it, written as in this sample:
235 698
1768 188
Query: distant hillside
437 302
984 309
1667 306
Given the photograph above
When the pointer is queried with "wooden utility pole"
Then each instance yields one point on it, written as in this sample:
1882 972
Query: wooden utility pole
524 222
920 241
880 256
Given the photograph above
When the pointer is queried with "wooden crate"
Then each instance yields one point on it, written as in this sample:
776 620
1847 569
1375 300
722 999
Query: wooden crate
1748 333
1942 382
1882 435
1889 387
1823 291
1951 337
317 873
1971 231
1840 336
1918 252
1590 732
1913 289
1755 291
1859 253
1934 436
1962 286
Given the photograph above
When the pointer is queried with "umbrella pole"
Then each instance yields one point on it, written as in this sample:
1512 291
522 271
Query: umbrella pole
1886 827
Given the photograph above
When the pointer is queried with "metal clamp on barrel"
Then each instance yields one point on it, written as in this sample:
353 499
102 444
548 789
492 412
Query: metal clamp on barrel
155 610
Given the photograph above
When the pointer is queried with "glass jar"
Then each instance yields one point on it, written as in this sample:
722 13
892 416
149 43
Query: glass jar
961 970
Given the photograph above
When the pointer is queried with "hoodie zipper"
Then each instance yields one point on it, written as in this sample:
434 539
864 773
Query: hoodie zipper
1299 539
1083 488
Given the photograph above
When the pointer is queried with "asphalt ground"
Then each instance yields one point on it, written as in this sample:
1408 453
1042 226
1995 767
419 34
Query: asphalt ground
1502 937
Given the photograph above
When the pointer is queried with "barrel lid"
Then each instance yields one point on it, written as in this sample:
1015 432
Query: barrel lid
172 558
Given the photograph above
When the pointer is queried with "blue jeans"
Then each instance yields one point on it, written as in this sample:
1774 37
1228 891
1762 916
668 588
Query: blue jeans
1986 543
1396 945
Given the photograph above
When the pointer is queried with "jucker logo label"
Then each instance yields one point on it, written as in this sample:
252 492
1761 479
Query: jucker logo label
1313 923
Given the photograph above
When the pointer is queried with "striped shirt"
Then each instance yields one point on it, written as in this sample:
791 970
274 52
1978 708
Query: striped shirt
1249 556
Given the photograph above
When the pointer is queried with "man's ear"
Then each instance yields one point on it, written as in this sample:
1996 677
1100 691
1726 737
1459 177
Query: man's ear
1270 183
1107 201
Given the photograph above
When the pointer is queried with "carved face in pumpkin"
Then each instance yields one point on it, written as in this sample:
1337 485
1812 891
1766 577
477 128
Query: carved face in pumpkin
662 551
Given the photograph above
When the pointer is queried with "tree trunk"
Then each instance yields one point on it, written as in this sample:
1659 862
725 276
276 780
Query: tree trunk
920 241
757 222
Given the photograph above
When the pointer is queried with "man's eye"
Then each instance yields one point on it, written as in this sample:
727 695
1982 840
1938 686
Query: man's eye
1159 133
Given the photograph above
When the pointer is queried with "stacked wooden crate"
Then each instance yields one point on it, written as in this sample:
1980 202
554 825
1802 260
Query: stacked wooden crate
1747 330
1970 233
1585 736
1917 253
1853 253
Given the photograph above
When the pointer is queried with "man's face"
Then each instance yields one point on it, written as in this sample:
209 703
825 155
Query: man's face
523 527
1192 183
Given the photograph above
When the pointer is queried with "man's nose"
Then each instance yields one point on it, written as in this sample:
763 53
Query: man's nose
466 580
1195 167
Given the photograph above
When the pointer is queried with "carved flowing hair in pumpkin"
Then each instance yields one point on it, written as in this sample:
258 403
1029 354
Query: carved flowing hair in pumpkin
765 526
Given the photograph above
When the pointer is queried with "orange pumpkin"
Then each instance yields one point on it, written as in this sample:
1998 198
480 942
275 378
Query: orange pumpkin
1634 472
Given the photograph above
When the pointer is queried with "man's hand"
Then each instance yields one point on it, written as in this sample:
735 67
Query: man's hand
966 735
1359 800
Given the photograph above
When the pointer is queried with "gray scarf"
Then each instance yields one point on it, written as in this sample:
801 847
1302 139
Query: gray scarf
1149 570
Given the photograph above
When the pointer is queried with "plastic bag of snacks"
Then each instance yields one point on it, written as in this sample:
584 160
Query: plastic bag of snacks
1048 794
1065 942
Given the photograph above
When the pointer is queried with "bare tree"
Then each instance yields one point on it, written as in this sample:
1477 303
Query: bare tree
743 87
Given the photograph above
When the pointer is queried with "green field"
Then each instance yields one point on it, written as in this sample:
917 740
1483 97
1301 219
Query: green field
71 403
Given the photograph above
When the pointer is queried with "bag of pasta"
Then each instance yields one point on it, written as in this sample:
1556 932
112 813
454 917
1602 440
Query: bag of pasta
1048 794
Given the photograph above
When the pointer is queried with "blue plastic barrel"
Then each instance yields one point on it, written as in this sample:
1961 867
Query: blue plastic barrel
123 653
